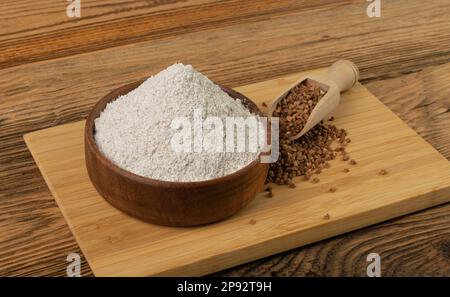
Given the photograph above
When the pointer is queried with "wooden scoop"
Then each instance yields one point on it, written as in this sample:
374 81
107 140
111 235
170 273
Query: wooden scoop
341 76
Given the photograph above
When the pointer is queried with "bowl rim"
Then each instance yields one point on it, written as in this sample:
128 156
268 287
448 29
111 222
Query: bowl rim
113 95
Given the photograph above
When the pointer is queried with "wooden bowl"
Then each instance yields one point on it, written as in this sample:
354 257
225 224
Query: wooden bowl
165 202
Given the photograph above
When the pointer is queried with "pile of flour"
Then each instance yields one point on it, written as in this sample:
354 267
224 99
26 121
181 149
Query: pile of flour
134 131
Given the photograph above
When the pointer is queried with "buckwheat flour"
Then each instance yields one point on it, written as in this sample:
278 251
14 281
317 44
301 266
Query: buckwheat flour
134 131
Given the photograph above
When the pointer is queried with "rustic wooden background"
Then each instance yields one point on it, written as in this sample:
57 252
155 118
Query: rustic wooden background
54 68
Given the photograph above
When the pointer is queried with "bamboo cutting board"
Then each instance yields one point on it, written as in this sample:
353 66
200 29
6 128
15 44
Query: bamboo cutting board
118 245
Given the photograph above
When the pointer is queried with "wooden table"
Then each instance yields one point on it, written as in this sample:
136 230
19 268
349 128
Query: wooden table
54 68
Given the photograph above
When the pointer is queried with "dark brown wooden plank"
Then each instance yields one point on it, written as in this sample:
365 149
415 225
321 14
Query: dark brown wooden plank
321 21
21 18
95 31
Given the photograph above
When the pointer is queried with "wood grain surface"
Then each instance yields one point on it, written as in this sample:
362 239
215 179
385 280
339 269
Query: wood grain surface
118 245
53 69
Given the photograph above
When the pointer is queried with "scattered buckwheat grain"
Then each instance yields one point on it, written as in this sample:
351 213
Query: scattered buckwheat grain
310 153
382 172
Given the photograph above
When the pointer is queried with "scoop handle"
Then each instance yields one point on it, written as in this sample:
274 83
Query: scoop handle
344 73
